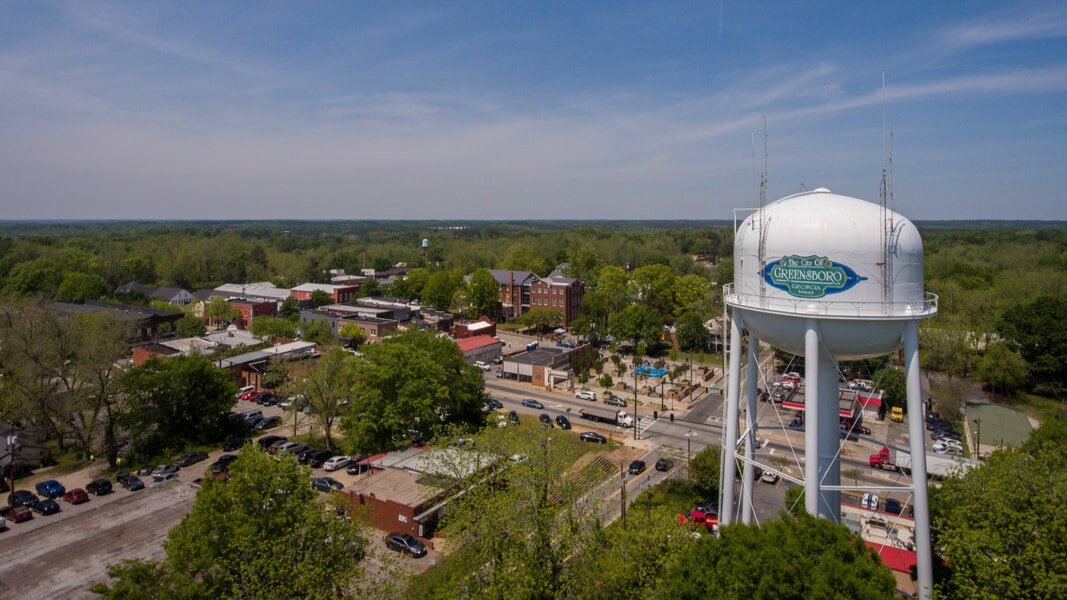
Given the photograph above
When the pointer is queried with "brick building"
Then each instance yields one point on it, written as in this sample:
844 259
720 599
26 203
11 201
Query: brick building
523 291
338 293
252 308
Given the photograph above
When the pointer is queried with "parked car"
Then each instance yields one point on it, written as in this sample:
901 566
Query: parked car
99 487
849 435
664 464
769 477
563 422
326 484
165 470
50 488
586 395
592 436
707 507
615 401
356 467
293 447
636 467
131 483
498 360
163 478
223 463
191 458
46 507
513 416
273 448
405 543
545 419
266 399
862 430
22 498
319 458
482 365
940 448
268 423
20 514
870 501
496 404
249 394
531 403
78 495
252 416
234 444
244 390
893 506
337 462
266 441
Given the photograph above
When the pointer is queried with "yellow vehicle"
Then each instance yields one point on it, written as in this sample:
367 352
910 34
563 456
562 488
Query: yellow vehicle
897 414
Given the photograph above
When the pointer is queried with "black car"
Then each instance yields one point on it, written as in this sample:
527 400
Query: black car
267 399
132 483
513 416
592 436
305 455
405 542
563 422
320 457
47 506
545 419
636 467
22 498
357 466
531 403
707 506
892 505
223 463
664 464
266 441
99 487
268 422
326 484
234 444
191 458
494 403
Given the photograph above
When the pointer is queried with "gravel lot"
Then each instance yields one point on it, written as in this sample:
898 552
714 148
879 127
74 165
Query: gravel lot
62 555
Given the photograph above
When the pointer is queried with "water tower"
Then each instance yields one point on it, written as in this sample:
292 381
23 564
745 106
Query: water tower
830 278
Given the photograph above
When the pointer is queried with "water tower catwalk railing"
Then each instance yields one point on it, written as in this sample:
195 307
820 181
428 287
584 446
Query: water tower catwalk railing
822 443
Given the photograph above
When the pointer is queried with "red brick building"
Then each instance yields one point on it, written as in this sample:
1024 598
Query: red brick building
338 293
252 308
523 291
483 326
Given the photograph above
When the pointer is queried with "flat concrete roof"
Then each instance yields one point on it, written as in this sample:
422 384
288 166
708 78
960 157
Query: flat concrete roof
397 485
539 356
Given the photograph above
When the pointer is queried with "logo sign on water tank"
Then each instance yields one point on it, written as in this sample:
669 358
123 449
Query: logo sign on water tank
810 276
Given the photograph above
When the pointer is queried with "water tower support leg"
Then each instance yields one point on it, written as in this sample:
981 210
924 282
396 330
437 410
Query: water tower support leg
917 444
811 417
733 399
829 438
751 385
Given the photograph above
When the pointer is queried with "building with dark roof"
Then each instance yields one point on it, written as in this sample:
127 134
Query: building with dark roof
146 323
523 291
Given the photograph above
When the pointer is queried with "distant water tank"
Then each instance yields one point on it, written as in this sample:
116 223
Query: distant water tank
822 256
425 243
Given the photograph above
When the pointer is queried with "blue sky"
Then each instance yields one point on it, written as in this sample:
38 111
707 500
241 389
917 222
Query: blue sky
505 110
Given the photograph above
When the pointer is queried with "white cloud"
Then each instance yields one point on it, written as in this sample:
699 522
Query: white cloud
1008 28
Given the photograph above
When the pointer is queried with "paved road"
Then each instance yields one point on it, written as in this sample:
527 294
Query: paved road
63 557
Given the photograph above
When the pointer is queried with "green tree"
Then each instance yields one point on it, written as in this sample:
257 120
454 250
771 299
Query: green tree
800 557
327 388
81 286
692 334
891 381
654 286
32 278
1001 369
705 471
410 383
541 319
483 293
1038 330
440 289
691 291
522 257
638 324
1001 526
219 310
274 327
583 263
290 309
262 534
175 401
370 287
190 326
352 334
411 286
614 283
140 267
318 332
320 298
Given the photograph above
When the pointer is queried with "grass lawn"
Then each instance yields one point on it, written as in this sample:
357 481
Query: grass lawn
1039 407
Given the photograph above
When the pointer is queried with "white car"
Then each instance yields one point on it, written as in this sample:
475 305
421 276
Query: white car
482 365
943 447
586 395
247 388
337 462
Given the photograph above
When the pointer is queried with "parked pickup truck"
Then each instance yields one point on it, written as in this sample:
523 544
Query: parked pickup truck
611 417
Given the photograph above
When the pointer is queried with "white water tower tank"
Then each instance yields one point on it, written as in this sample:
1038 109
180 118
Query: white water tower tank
822 258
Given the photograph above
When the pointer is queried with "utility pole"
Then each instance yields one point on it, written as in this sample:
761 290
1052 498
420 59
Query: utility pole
977 437
689 449
622 492
8 462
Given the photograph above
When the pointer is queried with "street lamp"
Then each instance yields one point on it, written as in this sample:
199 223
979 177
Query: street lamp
689 435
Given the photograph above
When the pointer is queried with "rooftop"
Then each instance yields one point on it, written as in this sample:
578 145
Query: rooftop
476 341
123 312
329 288
263 289
397 485
537 356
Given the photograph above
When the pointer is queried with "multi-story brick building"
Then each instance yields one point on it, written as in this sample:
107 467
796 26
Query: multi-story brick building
339 294
252 308
522 291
